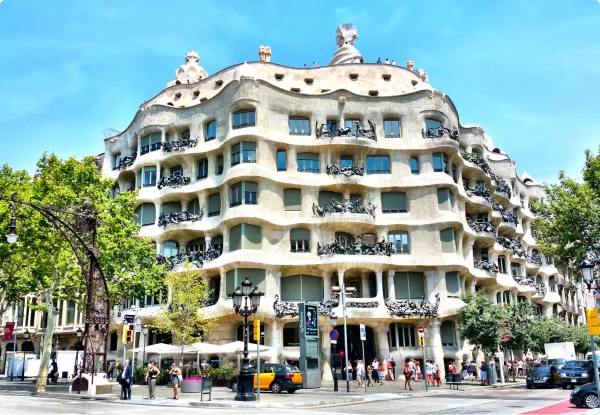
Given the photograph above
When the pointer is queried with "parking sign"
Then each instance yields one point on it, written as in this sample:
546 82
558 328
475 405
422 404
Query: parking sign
363 332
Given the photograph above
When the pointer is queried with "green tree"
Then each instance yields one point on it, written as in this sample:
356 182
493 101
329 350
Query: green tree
480 321
568 221
53 272
520 317
183 314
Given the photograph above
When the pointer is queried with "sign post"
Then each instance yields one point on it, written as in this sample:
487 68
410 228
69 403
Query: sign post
363 337
256 337
421 333
594 330
333 335
137 328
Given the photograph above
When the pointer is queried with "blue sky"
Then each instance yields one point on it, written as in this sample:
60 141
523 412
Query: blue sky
527 71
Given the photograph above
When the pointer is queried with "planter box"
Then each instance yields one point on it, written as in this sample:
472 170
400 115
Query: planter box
191 386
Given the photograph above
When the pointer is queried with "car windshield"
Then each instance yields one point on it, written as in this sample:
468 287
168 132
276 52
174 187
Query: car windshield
292 369
539 370
577 364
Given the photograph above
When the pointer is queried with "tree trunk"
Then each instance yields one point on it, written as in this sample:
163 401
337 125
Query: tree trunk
47 344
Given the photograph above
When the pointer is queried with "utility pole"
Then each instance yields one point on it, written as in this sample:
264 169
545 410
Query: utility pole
594 330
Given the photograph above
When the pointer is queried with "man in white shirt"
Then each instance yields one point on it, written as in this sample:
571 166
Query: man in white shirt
375 366
412 368
429 372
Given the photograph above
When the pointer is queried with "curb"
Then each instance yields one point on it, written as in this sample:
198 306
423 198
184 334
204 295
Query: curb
75 396
257 405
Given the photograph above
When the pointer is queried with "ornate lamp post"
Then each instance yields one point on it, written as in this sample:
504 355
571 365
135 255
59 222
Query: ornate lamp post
78 227
251 299
26 337
590 261
333 319
145 332
79 333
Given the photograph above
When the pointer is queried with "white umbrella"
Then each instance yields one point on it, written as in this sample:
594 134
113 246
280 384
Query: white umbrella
162 348
238 347
204 348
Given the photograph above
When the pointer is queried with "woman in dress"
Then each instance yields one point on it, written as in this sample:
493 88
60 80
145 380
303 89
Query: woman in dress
175 373
407 377
418 372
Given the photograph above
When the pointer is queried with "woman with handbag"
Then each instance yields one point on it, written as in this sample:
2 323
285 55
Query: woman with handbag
175 373
151 376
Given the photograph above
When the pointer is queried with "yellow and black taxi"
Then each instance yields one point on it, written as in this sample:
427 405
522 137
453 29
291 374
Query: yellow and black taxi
274 377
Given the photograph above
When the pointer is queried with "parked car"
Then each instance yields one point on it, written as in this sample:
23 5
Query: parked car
585 395
274 377
576 372
542 376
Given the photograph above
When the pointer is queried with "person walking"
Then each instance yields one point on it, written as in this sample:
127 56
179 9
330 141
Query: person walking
126 381
393 368
375 366
418 373
407 377
111 370
349 373
389 368
438 375
151 376
175 373
370 376
484 368
464 368
428 373
360 373
411 368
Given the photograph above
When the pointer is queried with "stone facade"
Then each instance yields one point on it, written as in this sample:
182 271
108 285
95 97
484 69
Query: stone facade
257 123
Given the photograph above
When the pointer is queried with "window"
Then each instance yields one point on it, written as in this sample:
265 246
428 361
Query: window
440 163
219 164
391 128
326 197
149 176
522 201
214 204
454 173
150 143
170 248
480 184
115 191
549 260
197 245
292 199
211 131
245 236
399 241
117 161
498 298
484 253
217 243
171 207
299 126
431 123
308 162
414 165
346 161
552 284
502 264
70 313
483 217
507 297
344 238
244 193
378 165
202 169
291 335
515 268
409 286
402 335
445 199
301 288
281 160
300 240
393 202
176 171
244 151
245 118
448 241
453 284
538 279
145 214
448 333
351 123
234 278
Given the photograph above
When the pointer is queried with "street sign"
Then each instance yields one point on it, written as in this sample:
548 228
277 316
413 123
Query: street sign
363 332
333 334
593 323
8 330
421 329
128 319
334 342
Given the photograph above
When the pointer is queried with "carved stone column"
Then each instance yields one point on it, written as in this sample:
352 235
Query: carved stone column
379 276
430 285
381 339
364 285
472 286
327 285
184 206
341 279
276 340
158 211
468 252
207 242
435 349
182 246
277 280
391 284
163 135
158 172
159 248
325 328
494 297
292 163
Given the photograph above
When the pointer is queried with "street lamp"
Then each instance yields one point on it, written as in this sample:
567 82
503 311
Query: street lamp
334 319
251 297
26 337
79 333
12 228
145 333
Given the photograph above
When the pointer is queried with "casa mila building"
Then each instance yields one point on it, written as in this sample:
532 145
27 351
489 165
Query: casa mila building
353 174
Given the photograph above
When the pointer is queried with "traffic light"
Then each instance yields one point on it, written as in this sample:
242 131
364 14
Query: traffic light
256 334
127 333
593 323
421 342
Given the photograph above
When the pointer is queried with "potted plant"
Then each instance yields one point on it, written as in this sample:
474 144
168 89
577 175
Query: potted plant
192 384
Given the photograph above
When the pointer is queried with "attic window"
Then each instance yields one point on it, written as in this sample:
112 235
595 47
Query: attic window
325 90
204 99
219 83
373 93
295 90
178 95
196 94
279 76
386 76
309 81
170 103
354 77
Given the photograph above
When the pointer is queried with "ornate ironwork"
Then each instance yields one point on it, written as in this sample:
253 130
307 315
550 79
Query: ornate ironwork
504 187
370 304
177 145
440 132
337 207
510 217
534 258
481 226
526 281
411 308
540 289
334 130
326 306
498 208
512 244
479 161
211 300
485 265
127 161
173 181
195 257
284 309
357 248
335 169
177 217
477 191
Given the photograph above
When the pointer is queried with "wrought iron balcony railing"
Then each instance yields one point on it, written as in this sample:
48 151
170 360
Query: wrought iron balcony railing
481 226
127 161
485 265
504 188
510 217
173 181
165 219
512 244
526 281
440 132
480 162
541 289
194 257
477 191
347 207
357 248
335 169
413 308
535 258
178 145
333 129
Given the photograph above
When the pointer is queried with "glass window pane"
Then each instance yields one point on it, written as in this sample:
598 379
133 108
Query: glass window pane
299 126
447 238
312 288
291 288
443 196
326 197
281 160
391 128
437 162
252 236
416 285
401 286
292 199
211 130
214 204
235 238
431 123
453 284
393 202
414 165
171 207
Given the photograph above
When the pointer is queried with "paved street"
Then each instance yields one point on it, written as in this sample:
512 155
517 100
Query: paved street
470 401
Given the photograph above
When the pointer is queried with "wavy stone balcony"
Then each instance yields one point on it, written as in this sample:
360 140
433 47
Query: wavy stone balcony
540 289
534 260
477 191
503 189
173 181
175 218
510 217
525 282
513 245
127 161
481 227
179 145
478 160
485 265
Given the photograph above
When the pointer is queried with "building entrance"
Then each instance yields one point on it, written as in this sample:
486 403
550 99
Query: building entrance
354 347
